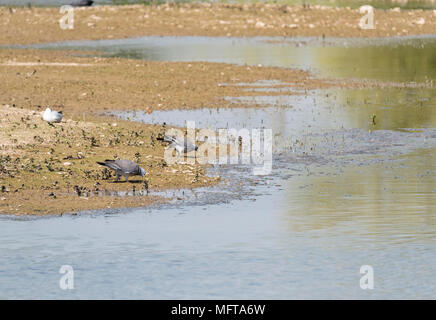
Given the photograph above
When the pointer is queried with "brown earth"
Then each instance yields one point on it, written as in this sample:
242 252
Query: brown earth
34 25
52 169
36 79
48 169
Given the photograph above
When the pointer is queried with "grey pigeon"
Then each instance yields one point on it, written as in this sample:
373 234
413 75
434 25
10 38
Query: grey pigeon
124 168
82 3
181 145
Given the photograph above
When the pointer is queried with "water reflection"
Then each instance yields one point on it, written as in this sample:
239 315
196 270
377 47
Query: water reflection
391 202
395 59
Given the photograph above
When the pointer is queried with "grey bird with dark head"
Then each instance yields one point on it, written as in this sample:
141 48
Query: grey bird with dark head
181 145
124 168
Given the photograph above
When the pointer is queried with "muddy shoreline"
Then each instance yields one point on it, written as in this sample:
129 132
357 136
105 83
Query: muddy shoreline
37 25
36 78
51 169
41 165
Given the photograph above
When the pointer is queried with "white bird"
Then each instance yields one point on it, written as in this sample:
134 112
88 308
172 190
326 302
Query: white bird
181 145
52 116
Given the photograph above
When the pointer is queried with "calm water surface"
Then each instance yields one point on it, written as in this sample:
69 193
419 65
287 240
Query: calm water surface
344 192
395 59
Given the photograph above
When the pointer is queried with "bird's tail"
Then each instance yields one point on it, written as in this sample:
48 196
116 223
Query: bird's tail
105 163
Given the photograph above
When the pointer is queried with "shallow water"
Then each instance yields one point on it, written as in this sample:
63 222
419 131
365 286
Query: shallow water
395 59
296 116
325 223
344 192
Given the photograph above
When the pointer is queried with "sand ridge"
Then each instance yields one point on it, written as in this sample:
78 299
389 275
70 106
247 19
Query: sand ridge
23 25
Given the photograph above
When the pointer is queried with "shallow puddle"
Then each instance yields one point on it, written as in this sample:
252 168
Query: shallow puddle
296 117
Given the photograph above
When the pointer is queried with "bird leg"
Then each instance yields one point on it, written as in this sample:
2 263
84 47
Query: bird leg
180 156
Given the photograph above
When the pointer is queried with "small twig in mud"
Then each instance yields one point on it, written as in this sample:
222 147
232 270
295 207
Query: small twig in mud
146 186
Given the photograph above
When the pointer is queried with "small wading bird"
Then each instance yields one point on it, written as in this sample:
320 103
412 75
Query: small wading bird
52 116
181 145
82 3
124 168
